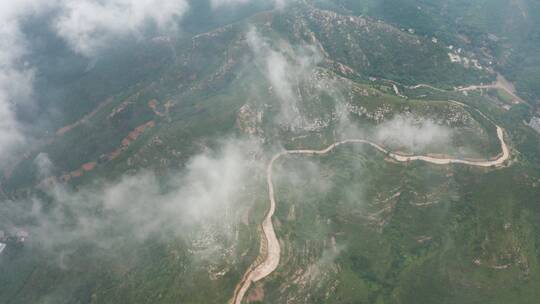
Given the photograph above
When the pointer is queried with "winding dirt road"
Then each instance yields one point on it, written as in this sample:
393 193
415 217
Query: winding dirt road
270 248
501 83
423 85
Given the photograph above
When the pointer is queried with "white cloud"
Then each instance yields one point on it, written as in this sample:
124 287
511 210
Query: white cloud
87 25
16 77
10 133
44 165
209 191
279 4
90 25
219 3
284 69
417 135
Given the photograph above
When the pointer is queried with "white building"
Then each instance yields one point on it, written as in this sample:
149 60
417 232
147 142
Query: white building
22 235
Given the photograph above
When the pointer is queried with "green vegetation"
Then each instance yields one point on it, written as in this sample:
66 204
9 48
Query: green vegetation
404 233
505 33
354 226
503 96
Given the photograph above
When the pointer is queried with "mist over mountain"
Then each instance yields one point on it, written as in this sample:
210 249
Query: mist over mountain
269 151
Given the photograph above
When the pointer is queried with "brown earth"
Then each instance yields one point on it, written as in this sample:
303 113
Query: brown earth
85 118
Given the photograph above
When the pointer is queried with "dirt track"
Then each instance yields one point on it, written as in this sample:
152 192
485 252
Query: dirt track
271 252
501 83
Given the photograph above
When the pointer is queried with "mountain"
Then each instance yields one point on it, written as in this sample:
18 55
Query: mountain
388 135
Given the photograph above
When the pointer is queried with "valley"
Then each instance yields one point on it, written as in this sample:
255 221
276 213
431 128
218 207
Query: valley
261 151
269 255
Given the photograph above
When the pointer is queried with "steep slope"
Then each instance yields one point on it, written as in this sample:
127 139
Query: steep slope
506 31
354 226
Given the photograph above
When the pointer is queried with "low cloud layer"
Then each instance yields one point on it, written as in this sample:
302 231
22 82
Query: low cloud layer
140 206
90 25
16 77
413 134
87 26
284 69
279 4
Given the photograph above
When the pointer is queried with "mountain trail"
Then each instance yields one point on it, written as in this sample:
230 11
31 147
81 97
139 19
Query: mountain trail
270 247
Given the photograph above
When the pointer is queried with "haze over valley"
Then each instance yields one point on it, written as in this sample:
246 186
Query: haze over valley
269 151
